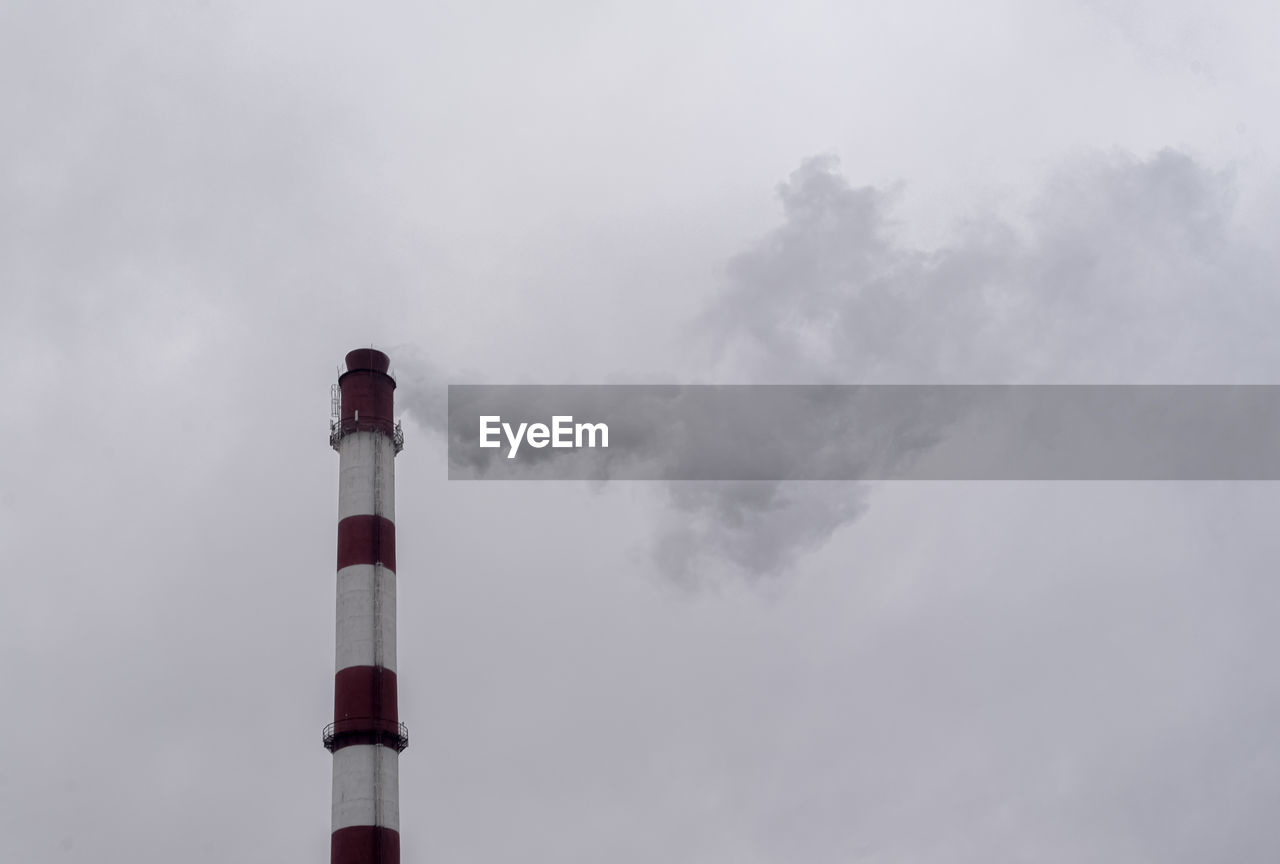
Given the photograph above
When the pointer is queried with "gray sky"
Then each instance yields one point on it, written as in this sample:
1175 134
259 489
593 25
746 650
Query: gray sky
205 205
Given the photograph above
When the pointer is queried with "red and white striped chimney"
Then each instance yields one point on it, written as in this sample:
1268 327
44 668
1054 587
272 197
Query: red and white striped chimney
366 736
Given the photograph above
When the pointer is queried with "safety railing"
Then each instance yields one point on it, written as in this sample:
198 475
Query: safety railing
339 429
397 740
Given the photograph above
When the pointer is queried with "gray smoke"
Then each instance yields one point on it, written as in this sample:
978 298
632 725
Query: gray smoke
422 387
1109 275
1121 270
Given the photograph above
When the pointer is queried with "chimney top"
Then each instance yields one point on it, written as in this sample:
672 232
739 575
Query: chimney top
367 358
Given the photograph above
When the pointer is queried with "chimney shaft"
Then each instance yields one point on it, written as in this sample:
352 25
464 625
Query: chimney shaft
366 736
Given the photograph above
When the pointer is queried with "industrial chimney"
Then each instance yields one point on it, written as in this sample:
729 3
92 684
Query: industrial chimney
366 736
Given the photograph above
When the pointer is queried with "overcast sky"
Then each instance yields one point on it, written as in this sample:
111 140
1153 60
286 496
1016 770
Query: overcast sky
204 205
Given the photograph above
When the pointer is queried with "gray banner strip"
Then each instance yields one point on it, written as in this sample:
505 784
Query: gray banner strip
874 432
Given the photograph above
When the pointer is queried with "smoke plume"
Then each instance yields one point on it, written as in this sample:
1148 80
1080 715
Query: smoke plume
1120 270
